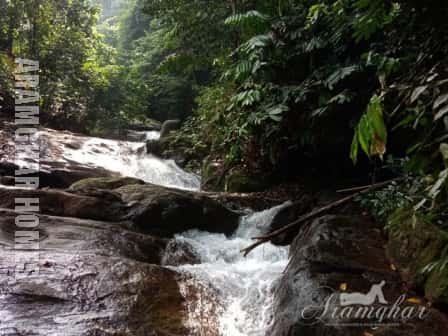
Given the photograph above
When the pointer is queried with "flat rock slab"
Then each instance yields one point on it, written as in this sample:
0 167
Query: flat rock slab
101 205
164 211
95 278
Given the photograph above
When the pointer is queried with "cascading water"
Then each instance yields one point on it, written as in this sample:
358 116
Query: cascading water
127 158
243 284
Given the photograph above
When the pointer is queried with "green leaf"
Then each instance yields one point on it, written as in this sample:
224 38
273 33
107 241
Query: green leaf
354 148
417 92
435 190
375 116
339 75
364 134
371 132
249 18
275 112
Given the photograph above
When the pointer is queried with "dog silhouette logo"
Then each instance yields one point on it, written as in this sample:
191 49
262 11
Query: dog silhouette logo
376 292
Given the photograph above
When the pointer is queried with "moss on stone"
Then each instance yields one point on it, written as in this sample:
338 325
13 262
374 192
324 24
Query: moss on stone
240 181
105 183
413 244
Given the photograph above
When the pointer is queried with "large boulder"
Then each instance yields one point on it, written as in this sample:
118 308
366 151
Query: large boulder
94 278
288 215
73 235
98 205
169 126
54 174
212 172
155 147
414 244
104 183
240 180
145 125
179 252
332 255
163 211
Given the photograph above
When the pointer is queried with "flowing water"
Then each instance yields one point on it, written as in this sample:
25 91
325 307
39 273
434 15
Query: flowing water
124 157
242 285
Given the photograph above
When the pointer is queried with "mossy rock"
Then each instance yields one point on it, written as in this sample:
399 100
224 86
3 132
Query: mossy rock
240 181
212 178
413 244
164 212
105 183
436 286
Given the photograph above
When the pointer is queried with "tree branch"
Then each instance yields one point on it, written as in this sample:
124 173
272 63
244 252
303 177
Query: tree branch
268 237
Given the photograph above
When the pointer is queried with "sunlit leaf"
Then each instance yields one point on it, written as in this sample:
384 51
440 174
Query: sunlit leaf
441 113
417 92
440 100
414 300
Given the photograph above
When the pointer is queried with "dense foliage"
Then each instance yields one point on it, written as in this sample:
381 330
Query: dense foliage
314 83
61 36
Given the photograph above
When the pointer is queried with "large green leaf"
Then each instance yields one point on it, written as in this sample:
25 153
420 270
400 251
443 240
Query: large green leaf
371 132
355 147
375 116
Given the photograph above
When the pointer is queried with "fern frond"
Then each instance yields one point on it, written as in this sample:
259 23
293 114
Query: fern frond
249 18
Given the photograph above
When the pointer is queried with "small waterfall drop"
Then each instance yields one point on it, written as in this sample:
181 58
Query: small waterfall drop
130 159
243 284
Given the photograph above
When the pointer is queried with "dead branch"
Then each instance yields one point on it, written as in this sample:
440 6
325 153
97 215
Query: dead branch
264 239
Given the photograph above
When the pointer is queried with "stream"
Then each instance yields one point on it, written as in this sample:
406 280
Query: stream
242 286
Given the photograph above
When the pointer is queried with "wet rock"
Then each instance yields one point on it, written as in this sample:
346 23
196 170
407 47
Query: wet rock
163 211
73 145
179 252
173 148
97 206
55 177
73 235
331 252
7 180
145 125
7 168
239 180
289 214
58 175
212 173
94 278
104 183
136 136
169 126
154 147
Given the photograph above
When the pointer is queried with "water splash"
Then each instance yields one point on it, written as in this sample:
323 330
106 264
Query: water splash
244 285
152 135
241 287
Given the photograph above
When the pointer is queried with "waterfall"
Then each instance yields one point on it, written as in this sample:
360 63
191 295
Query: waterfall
129 159
243 284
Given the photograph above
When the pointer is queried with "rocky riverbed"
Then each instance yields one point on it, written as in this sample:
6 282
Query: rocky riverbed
123 252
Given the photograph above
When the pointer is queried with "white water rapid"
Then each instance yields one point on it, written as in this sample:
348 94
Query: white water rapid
124 157
242 286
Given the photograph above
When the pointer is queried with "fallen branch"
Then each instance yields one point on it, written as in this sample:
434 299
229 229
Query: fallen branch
264 239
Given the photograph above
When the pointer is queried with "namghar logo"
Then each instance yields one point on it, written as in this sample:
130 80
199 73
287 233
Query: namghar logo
371 309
